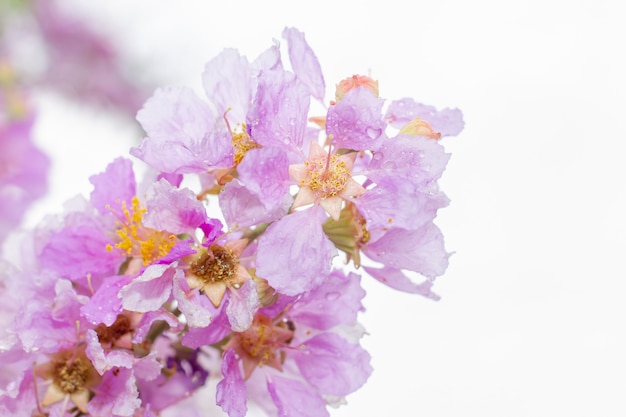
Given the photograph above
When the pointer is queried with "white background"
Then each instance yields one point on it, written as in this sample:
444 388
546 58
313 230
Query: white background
531 320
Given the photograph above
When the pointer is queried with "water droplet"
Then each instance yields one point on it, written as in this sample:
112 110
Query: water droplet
373 133
236 285
377 156
332 296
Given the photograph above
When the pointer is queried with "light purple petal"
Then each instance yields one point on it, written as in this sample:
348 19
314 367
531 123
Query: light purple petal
448 122
79 249
279 112
105 305
397 280
336 302
149 291
217 330
103 361
304 63
420 250
242 208
67 304
294 398
270 59
265 172
24 172
356 122
231 390
148 368
117 395
147 319
418 159
242 304
398 202
181 134
176 210
333 365
197 308
294 254
114 186
229 84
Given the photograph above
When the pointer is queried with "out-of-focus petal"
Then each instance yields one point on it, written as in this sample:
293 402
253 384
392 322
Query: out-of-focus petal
304 63
333 365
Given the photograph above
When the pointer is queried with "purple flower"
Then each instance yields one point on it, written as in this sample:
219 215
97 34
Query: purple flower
184 134
301 361
23 166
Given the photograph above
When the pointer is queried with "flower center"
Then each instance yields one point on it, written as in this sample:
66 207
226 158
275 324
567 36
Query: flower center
71 376
110 334
140 241
326 178
242 142
215 265
262 341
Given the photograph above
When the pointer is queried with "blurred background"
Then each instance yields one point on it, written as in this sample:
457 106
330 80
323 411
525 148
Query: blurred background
531 319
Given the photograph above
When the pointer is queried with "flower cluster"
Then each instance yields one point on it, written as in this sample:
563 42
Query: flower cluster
221 262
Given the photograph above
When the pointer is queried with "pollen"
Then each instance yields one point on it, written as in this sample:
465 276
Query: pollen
71 376
139 241
242 142
326 178
216 265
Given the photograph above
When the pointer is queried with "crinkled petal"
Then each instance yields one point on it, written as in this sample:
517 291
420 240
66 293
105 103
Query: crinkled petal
304 63
397 280
294 255
242 304
336 302
182 135
334 366
398 202
149 291
229 84
197 308
117 395
356 122
265 172
242 208
103 361
418 159
173 209
294 398
420 250
79 249
217 330
67 303
147 319
269 59
104 305
448 122
114 186
278 116
231 390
